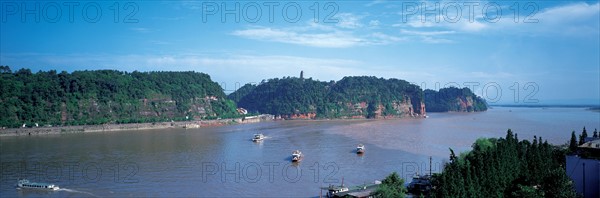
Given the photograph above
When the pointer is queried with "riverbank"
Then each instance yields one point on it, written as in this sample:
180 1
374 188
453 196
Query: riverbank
129 127
162 125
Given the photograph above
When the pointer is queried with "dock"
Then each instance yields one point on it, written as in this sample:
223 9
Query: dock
356 191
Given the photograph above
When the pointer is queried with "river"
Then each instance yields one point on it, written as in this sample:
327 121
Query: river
224 162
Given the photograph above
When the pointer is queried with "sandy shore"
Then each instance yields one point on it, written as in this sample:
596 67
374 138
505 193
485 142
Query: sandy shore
129 127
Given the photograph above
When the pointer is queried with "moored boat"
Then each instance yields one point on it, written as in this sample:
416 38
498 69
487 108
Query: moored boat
366 190
420 184
26 184
258 137
360 149
297 156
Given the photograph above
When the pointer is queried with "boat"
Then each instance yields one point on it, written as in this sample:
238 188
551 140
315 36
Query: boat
332 190
366 190
26 184
420 185
360 149
258 137
297 156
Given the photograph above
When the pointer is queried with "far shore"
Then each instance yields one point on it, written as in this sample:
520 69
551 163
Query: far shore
129 127
28 131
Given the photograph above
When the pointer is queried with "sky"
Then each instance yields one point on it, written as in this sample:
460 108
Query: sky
508 52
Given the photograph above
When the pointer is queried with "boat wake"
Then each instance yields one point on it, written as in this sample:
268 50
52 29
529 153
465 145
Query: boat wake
77 191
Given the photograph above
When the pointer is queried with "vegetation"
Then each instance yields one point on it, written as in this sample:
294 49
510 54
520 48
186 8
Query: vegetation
283 96
352 96
107 96
506 167
391 186
574 148
241 92
453 99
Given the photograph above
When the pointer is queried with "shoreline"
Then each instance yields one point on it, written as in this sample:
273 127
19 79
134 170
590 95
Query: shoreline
57 130
130 127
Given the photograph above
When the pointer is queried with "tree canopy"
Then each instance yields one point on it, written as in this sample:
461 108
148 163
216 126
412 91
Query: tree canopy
453 99
506 167
363 96
107 96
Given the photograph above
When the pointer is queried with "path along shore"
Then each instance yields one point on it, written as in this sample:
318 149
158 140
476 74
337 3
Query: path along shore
129 127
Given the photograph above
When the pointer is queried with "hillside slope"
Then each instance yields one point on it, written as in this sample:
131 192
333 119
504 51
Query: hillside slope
108 96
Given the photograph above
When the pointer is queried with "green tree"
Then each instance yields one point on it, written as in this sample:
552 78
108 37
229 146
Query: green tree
527 192
392 186
108 96
505 167
371 109
573 143
5 69
583 136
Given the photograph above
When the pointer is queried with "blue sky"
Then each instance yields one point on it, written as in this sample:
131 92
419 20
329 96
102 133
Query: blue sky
536 52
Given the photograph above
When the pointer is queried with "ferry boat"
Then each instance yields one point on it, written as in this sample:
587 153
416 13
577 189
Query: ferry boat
297 156
332 190
360 149
258 137
366 190
26 184
420 185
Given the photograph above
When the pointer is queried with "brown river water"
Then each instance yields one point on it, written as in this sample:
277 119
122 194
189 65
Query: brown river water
224 162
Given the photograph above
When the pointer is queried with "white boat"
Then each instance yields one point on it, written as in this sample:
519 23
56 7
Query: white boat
297 156
360 149
258 137
26 184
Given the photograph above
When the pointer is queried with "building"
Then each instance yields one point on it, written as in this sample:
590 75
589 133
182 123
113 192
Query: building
584 168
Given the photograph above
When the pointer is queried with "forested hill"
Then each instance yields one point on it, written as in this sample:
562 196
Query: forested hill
453 99
107 96
351 97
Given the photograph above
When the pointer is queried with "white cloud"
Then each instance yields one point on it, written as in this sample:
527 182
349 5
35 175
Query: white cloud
329 40
349 20
375 2
571 19
429 39
374 23
426 33
141 30
381 38
318 35
574 19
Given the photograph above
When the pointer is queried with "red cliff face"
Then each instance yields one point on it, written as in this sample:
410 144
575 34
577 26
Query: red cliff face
423 112
300 116
465 104
360 110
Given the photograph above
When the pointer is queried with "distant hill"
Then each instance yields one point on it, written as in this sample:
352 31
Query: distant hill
453 99
351 97
108 96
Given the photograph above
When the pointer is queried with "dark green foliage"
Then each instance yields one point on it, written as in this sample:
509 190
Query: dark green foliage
330 99
584 152
595 133
506 167
241 92
453 99
573 142
5 70
583 136
392 186
107 96
284 96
